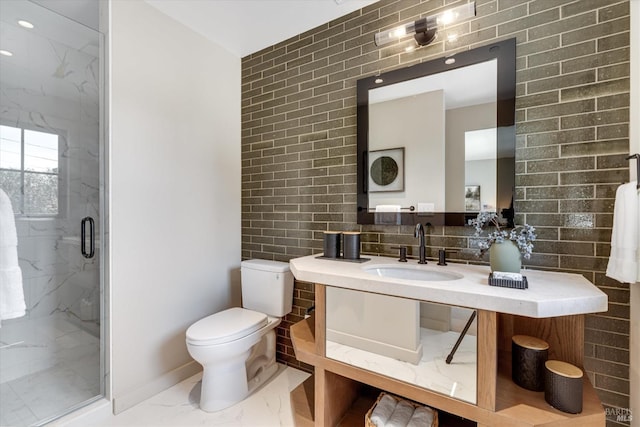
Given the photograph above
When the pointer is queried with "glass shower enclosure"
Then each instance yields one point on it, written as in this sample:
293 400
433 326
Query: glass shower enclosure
52 175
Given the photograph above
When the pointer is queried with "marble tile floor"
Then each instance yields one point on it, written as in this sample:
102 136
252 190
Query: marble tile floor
178 406
46 366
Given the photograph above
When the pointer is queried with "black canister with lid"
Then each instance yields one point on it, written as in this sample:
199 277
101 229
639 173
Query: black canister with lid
332 244
351 244
563 386
528 355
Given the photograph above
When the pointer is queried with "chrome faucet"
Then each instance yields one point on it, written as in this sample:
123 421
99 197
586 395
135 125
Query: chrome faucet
419 233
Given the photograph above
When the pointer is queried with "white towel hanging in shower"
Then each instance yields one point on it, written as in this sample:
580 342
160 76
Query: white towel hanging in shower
12 303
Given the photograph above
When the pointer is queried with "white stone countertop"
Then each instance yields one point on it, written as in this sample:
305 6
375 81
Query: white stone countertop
550 294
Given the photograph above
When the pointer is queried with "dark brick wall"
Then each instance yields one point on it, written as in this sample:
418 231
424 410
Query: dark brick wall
299 146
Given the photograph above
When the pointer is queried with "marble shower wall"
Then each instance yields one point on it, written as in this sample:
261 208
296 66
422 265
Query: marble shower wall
51 84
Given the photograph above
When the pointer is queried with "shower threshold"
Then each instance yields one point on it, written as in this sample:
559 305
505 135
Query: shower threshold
47 366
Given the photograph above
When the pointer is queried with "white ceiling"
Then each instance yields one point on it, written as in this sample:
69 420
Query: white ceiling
472 85
247 26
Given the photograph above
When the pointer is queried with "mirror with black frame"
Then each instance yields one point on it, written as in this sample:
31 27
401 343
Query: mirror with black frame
436 140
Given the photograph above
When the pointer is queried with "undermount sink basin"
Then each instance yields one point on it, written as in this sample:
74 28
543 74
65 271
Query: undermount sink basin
412 272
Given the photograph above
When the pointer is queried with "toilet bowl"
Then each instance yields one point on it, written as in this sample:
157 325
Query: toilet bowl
236 347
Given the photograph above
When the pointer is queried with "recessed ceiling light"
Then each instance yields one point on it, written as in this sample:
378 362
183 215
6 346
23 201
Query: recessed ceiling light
25 24
5 53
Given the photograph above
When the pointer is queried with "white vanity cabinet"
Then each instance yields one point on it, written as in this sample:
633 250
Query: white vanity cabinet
552 309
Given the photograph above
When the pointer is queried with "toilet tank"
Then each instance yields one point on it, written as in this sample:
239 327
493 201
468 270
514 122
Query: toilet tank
267 286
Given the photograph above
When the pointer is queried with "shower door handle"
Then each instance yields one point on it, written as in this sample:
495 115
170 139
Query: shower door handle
83 237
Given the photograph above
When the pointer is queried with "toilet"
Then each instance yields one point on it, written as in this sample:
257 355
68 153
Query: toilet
237 347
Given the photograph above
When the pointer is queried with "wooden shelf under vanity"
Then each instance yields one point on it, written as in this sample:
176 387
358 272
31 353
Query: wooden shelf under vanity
340 394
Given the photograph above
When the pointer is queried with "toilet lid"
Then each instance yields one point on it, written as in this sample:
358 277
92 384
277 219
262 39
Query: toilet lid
225 326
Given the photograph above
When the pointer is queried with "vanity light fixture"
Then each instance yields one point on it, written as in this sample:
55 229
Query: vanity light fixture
25 24
424 29
5 53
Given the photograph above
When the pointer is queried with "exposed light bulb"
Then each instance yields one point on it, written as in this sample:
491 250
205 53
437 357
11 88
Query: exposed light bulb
392 35
456 14
25 24
378 80
424 29
5 53
446 18
400 32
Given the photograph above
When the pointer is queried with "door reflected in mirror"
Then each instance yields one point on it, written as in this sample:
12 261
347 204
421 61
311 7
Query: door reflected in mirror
480 164
455 126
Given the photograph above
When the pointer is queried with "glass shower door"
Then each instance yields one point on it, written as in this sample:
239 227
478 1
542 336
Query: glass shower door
51 172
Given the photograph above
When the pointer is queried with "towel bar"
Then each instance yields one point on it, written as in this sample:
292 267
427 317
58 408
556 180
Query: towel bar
637 158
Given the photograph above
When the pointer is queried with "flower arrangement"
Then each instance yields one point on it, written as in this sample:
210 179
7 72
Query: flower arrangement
522 235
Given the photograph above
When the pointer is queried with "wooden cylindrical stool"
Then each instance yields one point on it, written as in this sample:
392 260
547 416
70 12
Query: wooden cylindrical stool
528 355
563 386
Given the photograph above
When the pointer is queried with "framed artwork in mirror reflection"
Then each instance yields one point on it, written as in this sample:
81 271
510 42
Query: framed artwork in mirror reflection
472 198
386 170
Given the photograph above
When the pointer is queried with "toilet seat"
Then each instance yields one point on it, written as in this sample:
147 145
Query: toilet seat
225 326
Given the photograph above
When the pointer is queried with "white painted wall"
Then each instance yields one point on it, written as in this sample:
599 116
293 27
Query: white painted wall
402 122
175 194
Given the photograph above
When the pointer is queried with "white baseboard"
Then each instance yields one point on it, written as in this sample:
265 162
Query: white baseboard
378 347
126 401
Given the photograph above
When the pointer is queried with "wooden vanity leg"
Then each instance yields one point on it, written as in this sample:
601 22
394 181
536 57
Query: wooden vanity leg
319 415
334 396
320 332
487 359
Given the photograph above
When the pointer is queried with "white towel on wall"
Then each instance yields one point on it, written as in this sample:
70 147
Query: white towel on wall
388 208
12 303
624 261
388 214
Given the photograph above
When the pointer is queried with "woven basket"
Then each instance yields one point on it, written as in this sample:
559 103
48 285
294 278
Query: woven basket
367 417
